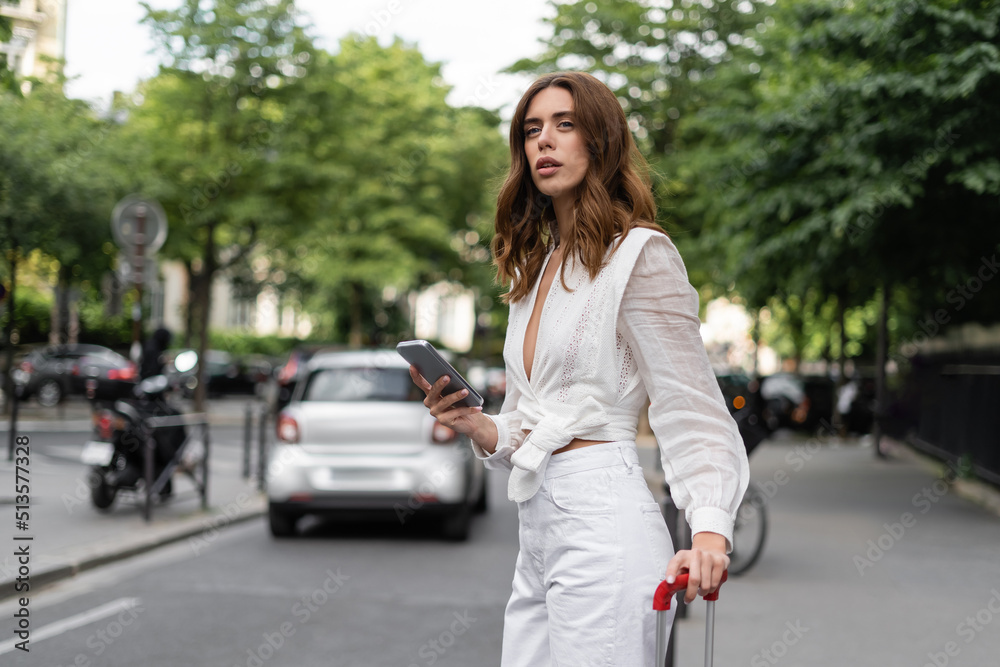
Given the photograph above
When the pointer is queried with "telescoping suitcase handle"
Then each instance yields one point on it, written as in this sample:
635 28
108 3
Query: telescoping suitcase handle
661 603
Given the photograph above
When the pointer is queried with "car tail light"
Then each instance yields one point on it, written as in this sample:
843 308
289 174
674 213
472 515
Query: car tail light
288 429
127 373
27 367
75 370
443 435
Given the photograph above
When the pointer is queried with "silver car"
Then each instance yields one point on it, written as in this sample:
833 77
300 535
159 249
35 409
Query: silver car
356 439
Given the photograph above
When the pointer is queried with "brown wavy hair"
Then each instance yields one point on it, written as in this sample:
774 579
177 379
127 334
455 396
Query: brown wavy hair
614 197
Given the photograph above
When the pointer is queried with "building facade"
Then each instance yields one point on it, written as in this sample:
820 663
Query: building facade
39 36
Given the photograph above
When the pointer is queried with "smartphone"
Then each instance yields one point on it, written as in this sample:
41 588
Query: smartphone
433 366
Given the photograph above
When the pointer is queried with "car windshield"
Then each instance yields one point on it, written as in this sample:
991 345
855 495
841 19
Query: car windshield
361 384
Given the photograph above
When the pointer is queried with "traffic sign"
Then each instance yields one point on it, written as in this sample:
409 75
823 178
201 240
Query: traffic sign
125 224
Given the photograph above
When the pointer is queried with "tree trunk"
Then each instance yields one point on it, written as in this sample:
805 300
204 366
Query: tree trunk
355 336
8 384
55 321
192 299
73 326
881 353
755 336
204 308
59 329
838 420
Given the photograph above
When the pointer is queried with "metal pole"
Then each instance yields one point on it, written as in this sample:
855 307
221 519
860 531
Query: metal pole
262 451
12 437
661 630
206 437
881 352
150 448
709 631
247 437
671 646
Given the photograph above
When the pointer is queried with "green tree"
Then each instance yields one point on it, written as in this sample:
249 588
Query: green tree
871 128
55 193
7 80
205 126
398 181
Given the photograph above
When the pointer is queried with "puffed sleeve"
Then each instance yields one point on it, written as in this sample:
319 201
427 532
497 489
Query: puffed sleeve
509 433
704 459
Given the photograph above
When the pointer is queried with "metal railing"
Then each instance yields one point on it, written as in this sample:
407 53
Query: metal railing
182 458
261 412
948 410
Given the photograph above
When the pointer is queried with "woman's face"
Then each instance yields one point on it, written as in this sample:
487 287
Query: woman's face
554 147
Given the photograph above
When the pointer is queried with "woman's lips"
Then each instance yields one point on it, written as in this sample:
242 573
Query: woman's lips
546 166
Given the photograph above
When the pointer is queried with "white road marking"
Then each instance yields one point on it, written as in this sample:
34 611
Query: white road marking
73 622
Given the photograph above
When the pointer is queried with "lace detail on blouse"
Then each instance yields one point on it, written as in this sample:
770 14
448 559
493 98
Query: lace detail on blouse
627 367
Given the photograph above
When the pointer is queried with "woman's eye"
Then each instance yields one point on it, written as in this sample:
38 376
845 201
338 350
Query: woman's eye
530 131
566 123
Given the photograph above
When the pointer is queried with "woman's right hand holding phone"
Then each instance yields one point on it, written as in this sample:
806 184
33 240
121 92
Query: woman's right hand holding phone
468 421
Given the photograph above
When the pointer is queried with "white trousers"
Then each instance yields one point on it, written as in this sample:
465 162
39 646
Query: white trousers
593 548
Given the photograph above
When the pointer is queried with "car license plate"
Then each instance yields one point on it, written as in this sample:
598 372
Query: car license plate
97 453
376 479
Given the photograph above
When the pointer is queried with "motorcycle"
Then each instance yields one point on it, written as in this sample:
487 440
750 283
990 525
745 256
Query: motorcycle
117 453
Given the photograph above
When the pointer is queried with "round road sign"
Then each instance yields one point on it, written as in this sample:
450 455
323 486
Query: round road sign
125 224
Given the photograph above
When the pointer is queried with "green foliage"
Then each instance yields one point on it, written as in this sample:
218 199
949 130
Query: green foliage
867 132
396 184
815 149
7 81
33 316
97 328
56 188
241 344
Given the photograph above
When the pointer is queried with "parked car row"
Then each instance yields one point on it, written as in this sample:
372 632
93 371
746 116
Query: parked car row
806 402
49 374
226 373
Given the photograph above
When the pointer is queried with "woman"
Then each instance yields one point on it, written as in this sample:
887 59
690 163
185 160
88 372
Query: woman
601 314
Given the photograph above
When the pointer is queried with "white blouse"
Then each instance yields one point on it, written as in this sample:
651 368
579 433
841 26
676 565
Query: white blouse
601 349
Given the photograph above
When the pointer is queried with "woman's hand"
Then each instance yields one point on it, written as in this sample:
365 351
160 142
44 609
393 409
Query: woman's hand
465 420
704 562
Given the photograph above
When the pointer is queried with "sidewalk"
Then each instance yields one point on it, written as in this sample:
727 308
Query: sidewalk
867 562
70 535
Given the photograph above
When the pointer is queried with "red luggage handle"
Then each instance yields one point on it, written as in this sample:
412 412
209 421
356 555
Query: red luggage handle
665 592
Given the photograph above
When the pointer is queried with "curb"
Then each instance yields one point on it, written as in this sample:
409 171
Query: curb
71 425
175 531
979 493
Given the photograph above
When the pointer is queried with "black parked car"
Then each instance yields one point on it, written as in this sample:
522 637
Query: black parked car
50 374
226 374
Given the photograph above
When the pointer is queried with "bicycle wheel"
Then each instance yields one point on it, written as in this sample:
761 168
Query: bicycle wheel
750 530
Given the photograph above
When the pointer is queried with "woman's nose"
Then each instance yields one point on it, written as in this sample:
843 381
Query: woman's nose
545 138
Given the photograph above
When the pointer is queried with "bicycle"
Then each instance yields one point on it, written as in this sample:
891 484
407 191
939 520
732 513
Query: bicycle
750 530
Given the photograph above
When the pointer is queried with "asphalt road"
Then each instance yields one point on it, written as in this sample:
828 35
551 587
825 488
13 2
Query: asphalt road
867 563
340 595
